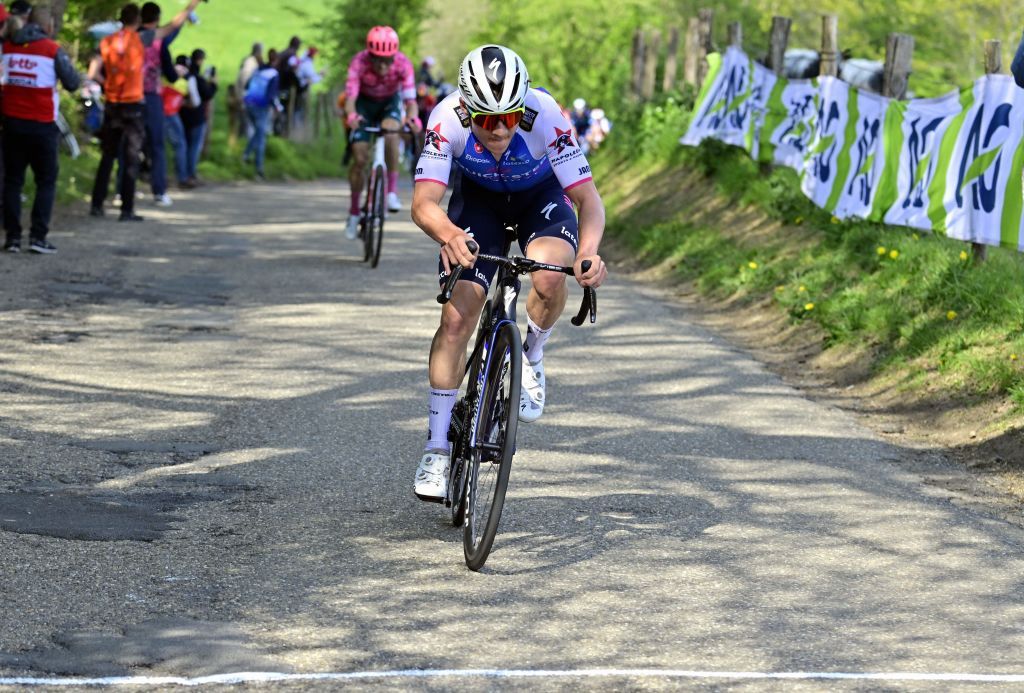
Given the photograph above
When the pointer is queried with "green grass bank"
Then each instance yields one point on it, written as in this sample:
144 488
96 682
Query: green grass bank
916 308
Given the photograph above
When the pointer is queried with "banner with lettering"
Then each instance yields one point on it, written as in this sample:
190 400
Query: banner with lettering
951 164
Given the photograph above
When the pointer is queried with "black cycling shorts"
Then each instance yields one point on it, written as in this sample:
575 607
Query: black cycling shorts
541 211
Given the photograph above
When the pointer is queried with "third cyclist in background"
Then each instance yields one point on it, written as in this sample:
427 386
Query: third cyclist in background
380 79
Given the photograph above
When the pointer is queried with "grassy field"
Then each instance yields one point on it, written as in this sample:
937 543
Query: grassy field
228 28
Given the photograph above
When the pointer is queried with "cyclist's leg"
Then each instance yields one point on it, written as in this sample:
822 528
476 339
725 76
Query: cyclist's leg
392 120
548 232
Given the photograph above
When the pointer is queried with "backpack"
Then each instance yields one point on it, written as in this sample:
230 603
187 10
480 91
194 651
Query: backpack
256 89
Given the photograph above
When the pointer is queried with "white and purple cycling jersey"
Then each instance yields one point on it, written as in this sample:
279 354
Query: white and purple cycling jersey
544 144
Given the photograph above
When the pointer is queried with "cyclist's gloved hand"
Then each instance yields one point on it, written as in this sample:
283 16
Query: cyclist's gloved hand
352 120
594 276
458 252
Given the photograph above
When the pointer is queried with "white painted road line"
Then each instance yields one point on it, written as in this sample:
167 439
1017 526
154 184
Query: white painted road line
267 677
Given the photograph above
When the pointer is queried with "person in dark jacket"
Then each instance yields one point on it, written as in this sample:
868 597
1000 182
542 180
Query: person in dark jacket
33 64
1017 66
193 113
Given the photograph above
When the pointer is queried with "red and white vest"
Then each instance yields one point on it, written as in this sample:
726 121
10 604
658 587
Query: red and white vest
30 81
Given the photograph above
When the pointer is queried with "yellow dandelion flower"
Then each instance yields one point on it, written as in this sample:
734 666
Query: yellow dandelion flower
963 255
894 254
752 265
1013 357
780 287
798 221
802 288
808 306
951 315
882 250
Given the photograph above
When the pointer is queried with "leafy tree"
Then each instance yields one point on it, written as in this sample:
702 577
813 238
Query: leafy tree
344 32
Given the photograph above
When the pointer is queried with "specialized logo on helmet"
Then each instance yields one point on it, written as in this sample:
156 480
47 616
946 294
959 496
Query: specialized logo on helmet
493 67
563 140
434 138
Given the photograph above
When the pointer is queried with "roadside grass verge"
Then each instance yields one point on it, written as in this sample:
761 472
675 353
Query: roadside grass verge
917 304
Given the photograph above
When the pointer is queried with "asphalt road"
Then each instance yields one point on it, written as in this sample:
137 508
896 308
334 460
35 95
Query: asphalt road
209 426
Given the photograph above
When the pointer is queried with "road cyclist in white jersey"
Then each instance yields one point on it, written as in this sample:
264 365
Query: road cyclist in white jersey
519 166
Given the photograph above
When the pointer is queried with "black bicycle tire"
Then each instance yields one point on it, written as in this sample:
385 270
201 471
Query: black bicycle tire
477 537
376 236
459 465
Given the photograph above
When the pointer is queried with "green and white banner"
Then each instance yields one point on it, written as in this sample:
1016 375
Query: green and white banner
952 164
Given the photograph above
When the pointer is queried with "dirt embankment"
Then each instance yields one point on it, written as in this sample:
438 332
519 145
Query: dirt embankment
928 417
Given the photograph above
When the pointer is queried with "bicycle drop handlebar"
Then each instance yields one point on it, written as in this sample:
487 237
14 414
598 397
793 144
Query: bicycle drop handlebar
524 265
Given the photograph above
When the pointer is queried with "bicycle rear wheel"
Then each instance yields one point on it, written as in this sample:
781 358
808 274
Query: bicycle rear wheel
490 461
375 218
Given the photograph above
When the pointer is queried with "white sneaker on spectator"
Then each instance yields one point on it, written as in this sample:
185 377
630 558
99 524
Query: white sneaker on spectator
163 200
432 477
352 230
394 204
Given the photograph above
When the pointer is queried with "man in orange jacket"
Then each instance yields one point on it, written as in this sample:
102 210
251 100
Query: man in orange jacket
123 128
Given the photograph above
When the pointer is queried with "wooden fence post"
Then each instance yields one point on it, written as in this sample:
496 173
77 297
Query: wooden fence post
690 63
899 50
650 64
777 43
736 34
638 64
668 80
705 42
829 46
993 66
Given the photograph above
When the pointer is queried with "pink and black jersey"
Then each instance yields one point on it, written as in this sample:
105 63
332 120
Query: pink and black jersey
364 81
544 145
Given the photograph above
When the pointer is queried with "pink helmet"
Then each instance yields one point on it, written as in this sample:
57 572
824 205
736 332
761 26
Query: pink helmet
382 41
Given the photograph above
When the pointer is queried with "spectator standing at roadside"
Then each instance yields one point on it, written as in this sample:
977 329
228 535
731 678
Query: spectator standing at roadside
123 130
252 62
173 100
260 98
33 64
306 75
286 63
153 39
193 114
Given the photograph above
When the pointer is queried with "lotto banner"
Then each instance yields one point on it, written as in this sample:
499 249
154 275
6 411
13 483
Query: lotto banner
952 164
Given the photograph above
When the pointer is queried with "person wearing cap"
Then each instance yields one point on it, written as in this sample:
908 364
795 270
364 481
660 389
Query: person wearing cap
33 65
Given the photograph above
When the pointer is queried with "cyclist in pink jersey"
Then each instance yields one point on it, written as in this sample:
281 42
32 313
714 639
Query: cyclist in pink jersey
380 79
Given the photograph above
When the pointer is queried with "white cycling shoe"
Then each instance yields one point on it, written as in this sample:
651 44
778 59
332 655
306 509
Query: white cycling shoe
531 396
352 229
432 477
394 204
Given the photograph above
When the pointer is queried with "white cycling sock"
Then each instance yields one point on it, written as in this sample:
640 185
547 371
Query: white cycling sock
441 404
536 337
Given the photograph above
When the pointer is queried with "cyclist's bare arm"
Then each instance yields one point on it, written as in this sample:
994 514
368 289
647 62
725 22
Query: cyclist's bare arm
428 215
591 215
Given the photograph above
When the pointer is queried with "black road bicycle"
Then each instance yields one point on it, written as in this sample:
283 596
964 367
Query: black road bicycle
483 427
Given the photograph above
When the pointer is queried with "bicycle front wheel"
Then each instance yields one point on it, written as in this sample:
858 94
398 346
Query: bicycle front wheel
490 460
375 218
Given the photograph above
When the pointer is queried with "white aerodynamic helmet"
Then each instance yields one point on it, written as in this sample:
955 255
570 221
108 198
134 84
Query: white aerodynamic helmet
493 79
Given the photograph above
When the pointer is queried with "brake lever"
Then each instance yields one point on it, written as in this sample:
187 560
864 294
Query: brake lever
589 304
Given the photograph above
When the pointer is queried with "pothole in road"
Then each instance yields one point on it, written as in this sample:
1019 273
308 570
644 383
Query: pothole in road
168 646
69 516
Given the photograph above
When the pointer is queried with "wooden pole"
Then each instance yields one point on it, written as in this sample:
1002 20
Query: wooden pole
650 64
705 42
690 63
668 80
736 34
993 66
899 50
829 46
638 64
777 43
